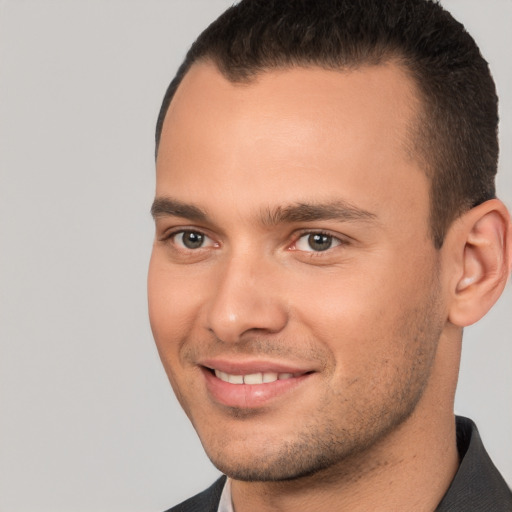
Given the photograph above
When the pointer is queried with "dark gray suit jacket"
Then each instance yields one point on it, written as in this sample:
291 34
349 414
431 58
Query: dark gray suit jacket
477 486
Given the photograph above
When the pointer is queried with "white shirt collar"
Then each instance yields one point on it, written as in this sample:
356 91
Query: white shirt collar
225 503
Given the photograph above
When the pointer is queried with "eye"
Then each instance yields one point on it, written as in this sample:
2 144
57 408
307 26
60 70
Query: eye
192 240
316 242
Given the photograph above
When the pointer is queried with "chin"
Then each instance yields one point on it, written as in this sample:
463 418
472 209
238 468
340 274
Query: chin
303 456
257 470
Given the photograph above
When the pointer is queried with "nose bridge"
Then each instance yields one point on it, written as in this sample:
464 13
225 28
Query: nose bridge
245 298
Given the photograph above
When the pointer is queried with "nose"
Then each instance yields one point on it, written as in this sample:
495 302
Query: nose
246 299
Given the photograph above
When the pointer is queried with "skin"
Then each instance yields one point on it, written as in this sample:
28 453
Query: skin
370 427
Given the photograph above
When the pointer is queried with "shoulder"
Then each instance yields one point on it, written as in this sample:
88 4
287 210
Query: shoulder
478 485
206 501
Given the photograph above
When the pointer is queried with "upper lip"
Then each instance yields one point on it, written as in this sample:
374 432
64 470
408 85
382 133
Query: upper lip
246 367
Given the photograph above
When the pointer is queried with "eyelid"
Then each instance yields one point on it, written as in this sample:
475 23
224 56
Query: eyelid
207 241
340 241
170 233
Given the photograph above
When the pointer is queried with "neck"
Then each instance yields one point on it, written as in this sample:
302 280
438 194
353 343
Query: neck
415 478
411 468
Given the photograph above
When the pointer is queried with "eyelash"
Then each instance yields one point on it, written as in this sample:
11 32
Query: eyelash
292 246
167 237
312 253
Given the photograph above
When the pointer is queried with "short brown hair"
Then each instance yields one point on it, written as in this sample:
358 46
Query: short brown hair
456 133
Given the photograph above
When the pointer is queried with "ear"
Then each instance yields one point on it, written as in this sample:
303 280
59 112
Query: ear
481 239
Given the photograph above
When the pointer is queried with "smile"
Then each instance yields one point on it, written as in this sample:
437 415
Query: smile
244 385
254 378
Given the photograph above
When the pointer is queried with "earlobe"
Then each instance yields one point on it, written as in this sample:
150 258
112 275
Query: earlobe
485 233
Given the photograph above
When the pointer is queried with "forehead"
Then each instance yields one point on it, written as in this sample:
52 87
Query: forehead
302 92
291 133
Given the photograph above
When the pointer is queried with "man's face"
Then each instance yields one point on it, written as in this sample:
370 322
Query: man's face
293 288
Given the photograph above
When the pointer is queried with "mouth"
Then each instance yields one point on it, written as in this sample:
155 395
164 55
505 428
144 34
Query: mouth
251 386
253 379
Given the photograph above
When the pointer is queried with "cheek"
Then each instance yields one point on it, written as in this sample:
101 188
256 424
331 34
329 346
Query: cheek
366 315
169 313
172 301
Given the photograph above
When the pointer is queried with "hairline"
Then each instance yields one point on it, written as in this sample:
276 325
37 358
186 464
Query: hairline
418 137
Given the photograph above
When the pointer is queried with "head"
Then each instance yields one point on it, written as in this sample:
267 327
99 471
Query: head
323 214
455 132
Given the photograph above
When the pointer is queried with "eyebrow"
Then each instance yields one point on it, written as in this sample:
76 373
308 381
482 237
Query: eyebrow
165 206
300 212
308 212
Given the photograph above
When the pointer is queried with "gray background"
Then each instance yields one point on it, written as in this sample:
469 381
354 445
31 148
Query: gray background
88 421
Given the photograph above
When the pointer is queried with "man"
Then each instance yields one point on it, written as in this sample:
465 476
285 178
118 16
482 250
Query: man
326 226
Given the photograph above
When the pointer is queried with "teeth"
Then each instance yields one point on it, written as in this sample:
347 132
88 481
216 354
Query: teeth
252 378
270 377
236 379
222 376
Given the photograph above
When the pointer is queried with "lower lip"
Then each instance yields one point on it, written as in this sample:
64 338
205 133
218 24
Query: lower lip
247 396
